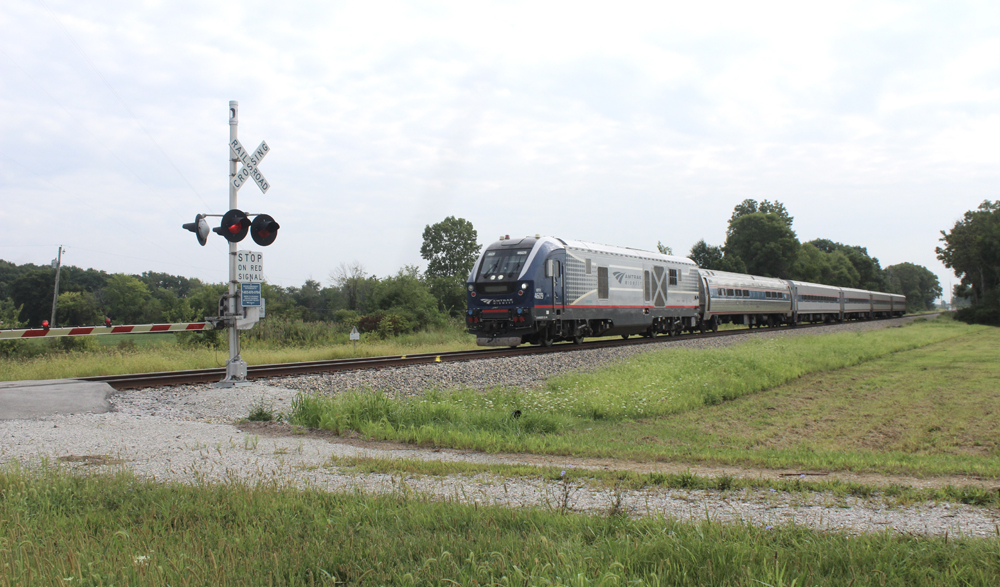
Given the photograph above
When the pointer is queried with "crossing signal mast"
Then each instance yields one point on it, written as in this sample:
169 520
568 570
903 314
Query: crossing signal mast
246 268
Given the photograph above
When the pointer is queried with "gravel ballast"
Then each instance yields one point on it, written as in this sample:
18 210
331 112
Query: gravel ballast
189 434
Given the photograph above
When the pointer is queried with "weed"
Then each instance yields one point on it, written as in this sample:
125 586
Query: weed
261 411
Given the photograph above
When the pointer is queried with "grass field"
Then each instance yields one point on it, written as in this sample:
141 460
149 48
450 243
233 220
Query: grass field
895 400
162 353
919 399
59 529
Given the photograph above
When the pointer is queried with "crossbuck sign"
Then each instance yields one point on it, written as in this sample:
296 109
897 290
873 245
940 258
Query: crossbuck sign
250 163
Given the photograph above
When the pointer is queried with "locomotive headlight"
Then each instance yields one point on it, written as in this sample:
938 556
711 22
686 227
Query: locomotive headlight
471 287
524 286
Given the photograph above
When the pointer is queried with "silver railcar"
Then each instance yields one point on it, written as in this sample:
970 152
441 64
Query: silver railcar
743 299
898 304
857 304
814 302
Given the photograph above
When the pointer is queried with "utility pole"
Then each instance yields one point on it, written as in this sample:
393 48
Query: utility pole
236 367
57 263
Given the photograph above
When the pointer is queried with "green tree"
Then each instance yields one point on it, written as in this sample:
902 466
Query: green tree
10 319
750 206
354 283
78 308
705 255
10 315
123 298
309 301
972 250
713 258
870 273
450 248
664 249
407 295
917 283
818 266
450 294
764 242
32 292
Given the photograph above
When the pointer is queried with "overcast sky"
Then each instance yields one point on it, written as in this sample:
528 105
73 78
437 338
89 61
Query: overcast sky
876 124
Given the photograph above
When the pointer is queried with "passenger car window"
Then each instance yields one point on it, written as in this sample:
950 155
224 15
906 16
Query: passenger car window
602 283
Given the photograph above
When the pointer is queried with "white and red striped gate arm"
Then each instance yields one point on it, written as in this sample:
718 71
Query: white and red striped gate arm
92 330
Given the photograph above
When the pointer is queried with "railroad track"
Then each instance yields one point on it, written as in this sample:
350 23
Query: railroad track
139 380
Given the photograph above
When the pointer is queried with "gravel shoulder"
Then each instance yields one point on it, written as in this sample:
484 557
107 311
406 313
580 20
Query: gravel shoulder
191 434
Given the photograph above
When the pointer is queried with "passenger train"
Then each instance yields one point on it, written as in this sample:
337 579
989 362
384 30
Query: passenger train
541 290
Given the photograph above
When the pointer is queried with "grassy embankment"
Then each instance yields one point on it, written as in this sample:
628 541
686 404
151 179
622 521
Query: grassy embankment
59 529
144 353
911 400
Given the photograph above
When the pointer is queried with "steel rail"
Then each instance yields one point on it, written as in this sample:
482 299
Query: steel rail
140 380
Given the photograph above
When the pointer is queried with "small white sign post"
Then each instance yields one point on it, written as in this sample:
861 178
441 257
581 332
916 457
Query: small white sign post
355 336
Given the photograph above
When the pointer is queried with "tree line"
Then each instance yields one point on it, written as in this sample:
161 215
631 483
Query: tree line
760 241
402 302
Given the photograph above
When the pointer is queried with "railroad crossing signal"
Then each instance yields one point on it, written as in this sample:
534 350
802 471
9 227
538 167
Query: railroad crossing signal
199 227
234 226
263 230
250 163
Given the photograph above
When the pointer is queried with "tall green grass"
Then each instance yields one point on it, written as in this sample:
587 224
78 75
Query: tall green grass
115 530
168 356
646 386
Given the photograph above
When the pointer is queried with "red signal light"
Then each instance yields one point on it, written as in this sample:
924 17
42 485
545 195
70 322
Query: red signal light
264 230
45 324
234 226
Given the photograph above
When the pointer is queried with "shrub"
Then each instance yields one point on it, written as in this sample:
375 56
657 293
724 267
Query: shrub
394 325
347 317
369 322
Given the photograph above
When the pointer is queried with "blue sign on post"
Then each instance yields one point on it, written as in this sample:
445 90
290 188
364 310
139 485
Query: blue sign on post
250 294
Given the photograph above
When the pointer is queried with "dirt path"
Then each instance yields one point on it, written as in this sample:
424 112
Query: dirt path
275 429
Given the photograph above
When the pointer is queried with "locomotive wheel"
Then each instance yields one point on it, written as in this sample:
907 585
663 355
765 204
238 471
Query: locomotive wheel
715 325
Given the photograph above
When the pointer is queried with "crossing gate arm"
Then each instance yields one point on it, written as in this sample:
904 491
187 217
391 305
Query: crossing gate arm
94 330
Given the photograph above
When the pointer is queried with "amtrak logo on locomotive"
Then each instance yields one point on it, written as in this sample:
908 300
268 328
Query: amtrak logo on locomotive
630 279
498 301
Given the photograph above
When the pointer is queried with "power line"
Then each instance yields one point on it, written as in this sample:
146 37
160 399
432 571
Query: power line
75 119
124 105
102 213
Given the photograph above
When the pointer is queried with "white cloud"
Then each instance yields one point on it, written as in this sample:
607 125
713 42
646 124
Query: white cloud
873 122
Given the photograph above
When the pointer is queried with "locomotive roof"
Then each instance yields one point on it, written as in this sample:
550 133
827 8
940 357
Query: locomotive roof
625 251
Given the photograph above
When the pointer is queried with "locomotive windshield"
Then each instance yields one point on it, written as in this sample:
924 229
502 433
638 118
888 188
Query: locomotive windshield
503 264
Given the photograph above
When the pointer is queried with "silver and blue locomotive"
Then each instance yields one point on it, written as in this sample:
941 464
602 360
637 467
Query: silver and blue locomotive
543 289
